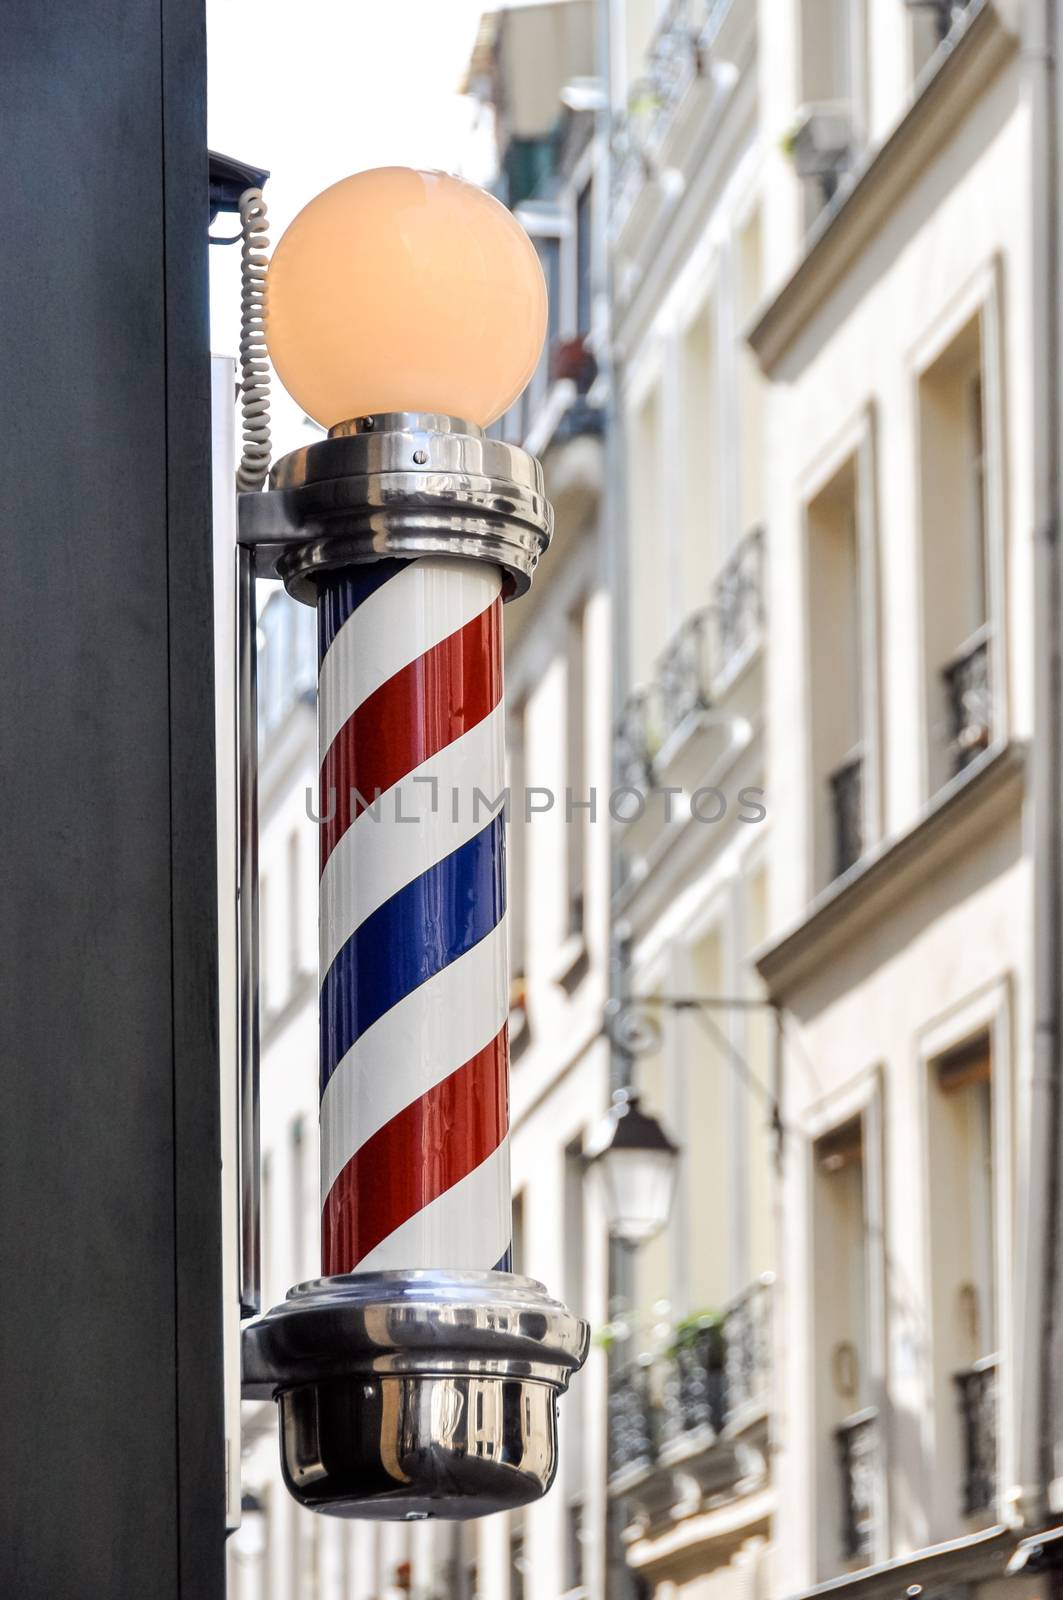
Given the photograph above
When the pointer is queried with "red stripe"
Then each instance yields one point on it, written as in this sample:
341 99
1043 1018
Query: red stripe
411 717
417 1156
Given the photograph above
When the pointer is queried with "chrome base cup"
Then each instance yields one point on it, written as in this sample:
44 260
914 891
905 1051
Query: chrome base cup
411 1395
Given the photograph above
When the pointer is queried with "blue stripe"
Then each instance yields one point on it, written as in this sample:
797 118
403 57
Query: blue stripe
506 1263
340 595
423 928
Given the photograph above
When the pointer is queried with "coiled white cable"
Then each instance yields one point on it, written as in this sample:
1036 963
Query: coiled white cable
254 361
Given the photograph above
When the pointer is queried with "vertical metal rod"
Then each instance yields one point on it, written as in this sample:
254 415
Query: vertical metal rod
414 987
247 890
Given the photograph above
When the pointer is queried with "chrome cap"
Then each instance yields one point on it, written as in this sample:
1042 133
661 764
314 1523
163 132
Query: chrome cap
398 484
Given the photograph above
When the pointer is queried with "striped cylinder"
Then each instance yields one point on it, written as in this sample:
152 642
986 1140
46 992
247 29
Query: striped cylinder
414 981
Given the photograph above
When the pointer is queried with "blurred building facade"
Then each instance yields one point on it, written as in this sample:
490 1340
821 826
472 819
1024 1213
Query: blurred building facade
795 416
900 337
690 1464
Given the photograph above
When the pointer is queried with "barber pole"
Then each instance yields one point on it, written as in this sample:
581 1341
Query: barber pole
414 981
418 1376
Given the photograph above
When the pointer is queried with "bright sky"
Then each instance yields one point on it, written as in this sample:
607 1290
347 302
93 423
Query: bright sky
317 90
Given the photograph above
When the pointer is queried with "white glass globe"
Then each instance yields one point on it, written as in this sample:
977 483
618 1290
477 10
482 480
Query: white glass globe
397 290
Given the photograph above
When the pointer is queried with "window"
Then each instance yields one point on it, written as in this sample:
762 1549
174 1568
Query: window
646 1281
931 23
702 495
577 820
647 587
584 241
964 1312
846 1422
287 662
574 1180
640 23
708 1210
573 1457
548 247
517 1560
760 1045
517 862
836 661
750 381
265 1225
297 1197
834 56
549 250
834 93
957 568
574 1575
520 1263
295 954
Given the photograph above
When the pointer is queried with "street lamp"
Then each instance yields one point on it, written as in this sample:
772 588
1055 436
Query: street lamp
637 1164
417 1377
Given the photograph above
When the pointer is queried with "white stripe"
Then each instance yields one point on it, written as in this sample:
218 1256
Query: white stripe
420 606
437 1028
378 855
470 1226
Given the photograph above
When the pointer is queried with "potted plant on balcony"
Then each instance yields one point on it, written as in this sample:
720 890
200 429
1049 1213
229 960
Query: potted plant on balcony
695 1390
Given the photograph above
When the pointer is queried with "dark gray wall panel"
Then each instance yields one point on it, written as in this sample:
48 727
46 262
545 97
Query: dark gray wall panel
110 1371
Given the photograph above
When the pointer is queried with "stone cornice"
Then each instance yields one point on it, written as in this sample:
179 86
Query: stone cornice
974 802
889 171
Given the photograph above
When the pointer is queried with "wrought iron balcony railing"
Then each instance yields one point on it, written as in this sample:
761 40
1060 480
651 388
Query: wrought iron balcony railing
635 741
632 1419
693 1386
704 649
740 598
712 1375
858 1459
970 702
847 813
747 1340
684 672
677 58
977 1394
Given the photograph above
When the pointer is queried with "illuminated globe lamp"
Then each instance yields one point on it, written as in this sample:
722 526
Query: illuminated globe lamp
400 291
418 1376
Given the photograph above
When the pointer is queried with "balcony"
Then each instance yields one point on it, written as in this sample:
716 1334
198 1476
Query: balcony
678 58
943 15
693 688
635 739
977 1395
847 813
694 1399
632 1421
556 407
683 1410
684 672
739 599
748 1354
969 700
858 1450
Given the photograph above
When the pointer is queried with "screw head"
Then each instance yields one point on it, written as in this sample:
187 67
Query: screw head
420 456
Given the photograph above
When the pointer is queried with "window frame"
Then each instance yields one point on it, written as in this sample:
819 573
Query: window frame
979 299
856 442
987 1010
863 1097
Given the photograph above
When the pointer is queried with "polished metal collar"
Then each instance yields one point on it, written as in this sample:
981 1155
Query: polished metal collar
405 1395
398 484
422 1321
